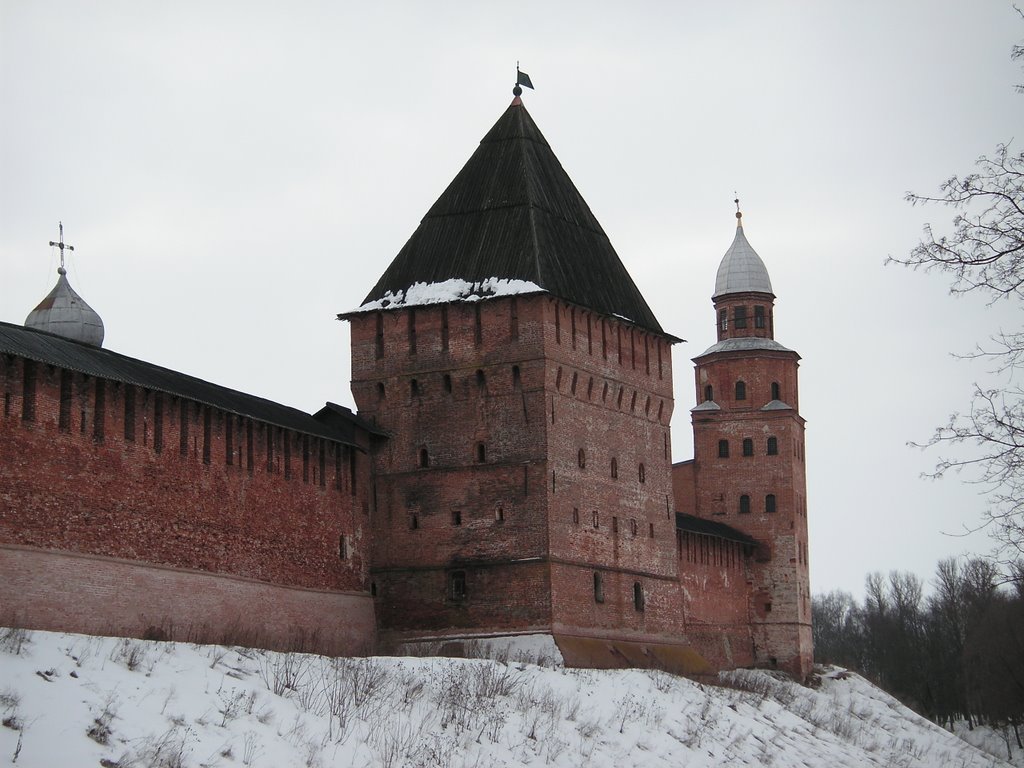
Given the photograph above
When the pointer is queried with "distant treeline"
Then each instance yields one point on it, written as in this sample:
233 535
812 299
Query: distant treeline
955 655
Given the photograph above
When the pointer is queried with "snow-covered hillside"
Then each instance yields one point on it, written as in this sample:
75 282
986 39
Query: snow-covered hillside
72 700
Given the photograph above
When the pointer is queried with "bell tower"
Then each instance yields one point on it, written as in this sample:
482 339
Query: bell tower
749 454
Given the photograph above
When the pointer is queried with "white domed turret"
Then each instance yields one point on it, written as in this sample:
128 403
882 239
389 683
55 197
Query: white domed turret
741 270
64 312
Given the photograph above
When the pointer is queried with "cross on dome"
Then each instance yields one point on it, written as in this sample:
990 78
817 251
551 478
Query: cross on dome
63 311
61 245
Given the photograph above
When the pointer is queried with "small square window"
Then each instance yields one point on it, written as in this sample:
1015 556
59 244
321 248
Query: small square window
740 316
456 517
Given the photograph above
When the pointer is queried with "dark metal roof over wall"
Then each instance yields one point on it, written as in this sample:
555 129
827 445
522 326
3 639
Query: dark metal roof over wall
700 525
513 212
50 349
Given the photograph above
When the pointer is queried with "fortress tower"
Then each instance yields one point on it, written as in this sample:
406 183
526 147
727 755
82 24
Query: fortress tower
749 454
526 388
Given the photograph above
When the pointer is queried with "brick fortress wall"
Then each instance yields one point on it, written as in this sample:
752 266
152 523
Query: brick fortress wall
133 511
715 575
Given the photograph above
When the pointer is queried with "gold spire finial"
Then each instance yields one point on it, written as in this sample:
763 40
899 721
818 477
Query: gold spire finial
739 213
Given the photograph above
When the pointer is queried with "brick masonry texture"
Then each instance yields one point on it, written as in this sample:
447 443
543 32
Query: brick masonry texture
121 597
522 482
75 481
527 485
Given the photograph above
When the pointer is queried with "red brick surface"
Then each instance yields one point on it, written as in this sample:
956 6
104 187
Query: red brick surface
99 595
71 485
524 485
778 584
584 384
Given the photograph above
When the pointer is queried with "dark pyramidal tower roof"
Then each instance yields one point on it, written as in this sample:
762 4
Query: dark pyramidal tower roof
512 212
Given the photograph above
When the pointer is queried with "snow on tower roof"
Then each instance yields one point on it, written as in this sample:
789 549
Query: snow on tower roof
513 214
447 291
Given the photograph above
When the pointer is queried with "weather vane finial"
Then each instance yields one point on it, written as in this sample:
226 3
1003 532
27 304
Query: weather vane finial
62 245
521 79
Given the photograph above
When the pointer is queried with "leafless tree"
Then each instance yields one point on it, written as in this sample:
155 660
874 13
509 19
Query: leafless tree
838 629
957 655
984 254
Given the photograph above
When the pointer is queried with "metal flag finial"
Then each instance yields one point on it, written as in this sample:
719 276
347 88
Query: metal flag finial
522 79
62 245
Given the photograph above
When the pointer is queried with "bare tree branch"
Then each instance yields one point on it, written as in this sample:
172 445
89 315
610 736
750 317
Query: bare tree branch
985 254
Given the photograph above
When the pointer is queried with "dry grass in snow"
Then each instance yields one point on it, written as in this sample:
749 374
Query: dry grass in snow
73 700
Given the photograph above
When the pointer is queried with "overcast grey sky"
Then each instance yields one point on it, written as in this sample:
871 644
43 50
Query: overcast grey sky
233 174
